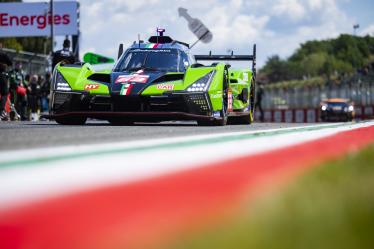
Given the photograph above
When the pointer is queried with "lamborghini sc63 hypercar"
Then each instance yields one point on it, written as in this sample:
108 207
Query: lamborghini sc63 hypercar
156 81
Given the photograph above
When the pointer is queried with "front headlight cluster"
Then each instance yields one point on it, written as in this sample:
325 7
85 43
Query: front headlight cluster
202 84
61 84
349 108
324 107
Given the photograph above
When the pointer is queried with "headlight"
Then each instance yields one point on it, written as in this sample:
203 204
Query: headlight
351 108
202 84
61 84
324 107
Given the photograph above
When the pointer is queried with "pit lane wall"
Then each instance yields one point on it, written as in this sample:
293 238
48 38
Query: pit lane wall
308 115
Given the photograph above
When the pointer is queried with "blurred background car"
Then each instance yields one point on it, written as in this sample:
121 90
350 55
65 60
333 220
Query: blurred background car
337 110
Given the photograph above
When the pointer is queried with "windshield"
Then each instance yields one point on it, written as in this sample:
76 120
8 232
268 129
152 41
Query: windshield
150 59
332 104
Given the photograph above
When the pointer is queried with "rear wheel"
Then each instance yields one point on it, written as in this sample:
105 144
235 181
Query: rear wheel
71 120
247 119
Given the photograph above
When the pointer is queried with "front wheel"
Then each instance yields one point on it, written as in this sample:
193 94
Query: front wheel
120 122
217 122
223 120
242 120
71 120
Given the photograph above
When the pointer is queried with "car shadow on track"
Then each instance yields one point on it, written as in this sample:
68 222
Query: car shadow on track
104 123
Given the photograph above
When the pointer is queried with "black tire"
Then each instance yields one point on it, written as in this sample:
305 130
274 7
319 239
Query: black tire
120 122
220 122
223 112
71 120
241 120
252 100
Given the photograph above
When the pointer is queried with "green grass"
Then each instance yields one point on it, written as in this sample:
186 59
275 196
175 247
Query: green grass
331 206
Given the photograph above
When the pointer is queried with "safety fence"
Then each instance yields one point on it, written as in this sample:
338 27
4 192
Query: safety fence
308 115
302 104
32 63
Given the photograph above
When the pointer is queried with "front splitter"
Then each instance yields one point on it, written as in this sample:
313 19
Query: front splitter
136 116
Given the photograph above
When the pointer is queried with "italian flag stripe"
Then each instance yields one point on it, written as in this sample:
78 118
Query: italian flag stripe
126 89
153 45
123 90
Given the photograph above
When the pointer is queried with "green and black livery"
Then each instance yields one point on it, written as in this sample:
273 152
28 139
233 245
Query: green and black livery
156 81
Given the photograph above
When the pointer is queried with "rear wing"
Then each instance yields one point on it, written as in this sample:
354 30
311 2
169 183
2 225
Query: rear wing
231 57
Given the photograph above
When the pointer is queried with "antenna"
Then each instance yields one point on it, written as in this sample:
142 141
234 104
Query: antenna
120 50
139 40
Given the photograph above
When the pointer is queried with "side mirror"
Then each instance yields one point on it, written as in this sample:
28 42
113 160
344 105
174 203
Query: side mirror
120 50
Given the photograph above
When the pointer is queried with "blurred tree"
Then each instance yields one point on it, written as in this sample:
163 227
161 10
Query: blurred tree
276 69
344 54
312 64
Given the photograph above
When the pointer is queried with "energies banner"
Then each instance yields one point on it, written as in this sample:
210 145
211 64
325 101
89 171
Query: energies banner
34 19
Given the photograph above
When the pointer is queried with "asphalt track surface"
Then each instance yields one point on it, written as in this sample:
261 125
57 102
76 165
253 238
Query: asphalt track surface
27 135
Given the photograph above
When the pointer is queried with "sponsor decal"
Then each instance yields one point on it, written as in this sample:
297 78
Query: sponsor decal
216 114
89 87
136 78
216 96
229 100
152 51
165 86
41 21
34 19
245 76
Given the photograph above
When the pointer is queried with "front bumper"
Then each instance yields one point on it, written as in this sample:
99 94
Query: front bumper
62 102
170 106
336 115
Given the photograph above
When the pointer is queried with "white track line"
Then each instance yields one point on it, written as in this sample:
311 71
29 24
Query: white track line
22 184
68 149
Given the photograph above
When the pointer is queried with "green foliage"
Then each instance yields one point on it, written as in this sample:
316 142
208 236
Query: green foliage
313 64
41 45
331 207
276 69
11 43
342 55
314 81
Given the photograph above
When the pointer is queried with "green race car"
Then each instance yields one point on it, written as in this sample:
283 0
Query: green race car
152 82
